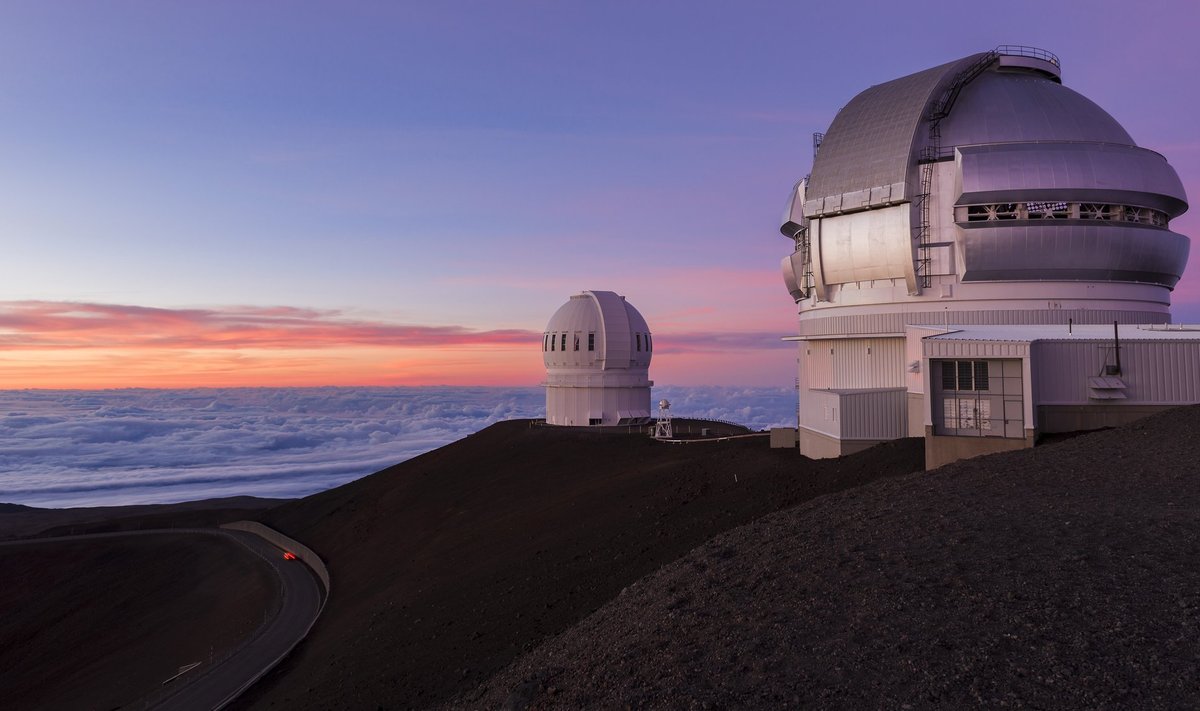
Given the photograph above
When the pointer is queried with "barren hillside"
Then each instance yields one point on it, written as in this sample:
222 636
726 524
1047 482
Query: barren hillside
1059 577
449 566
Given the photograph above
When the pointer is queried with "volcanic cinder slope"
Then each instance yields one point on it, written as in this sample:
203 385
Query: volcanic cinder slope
18 521
1064 576
449 566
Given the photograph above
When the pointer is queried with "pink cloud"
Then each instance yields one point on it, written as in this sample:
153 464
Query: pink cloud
719 341
71 325
77 325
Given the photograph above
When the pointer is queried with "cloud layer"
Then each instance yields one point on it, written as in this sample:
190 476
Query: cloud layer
97 448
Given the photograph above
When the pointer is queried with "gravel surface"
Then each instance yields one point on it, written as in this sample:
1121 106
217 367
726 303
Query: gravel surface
1064 576
451 565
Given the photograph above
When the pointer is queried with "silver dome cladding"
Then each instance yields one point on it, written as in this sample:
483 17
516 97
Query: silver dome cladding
868 152
1006 105
1081 171
1018 138
1047 250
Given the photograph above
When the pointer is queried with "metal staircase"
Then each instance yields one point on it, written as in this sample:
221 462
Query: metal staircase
931 154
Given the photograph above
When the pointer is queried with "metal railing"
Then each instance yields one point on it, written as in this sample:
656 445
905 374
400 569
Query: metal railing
1020 50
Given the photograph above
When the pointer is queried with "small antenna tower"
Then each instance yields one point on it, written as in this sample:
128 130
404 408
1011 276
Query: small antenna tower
662 428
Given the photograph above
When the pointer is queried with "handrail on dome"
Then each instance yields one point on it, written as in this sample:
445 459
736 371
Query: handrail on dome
1019 50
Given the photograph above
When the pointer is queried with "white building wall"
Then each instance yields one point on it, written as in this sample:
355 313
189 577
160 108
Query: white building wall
854 363
575 406
941 205
820 411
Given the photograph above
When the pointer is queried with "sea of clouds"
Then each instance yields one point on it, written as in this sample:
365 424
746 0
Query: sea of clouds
114 447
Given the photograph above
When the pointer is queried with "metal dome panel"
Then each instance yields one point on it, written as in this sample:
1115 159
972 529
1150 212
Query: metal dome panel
872 141
1003 106
1082 171
618 327
1050 251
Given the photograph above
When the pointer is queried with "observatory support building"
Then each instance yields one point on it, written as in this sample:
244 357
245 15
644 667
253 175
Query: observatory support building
982 202
597 350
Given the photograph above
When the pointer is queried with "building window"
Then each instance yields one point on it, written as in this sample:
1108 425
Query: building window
965 375
981 374
649 343
1048 210
545 341
576 341
639 342
553 340
591 341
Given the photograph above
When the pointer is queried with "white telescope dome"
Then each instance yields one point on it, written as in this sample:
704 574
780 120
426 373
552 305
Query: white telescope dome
597 350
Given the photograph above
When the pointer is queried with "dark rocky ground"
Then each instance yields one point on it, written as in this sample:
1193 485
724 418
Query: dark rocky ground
1059 577
451 565
18 521
531 567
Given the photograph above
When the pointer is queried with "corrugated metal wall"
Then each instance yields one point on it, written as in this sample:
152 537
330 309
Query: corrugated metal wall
867 414
875 414
854 363
866 324
1155 372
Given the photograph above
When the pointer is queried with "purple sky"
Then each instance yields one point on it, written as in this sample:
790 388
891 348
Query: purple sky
467 166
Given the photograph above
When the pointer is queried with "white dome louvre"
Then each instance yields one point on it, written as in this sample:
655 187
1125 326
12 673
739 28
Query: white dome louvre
597 351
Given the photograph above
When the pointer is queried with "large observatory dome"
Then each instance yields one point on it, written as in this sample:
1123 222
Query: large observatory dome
597 350
981 192
942 190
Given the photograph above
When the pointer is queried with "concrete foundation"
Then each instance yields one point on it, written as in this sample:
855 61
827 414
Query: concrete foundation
944 449
816 445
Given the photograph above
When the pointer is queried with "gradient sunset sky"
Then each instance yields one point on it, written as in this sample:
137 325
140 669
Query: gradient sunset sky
298 193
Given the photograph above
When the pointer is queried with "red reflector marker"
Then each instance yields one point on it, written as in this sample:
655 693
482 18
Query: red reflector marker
289 556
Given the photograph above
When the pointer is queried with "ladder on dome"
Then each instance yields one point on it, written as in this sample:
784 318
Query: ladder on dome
803 241
804 247
924 261
932 154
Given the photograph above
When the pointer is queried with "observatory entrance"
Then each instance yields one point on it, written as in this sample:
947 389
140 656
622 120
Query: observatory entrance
978 398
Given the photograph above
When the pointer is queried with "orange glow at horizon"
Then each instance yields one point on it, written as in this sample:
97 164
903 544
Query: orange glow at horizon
301 367
59 345
355 366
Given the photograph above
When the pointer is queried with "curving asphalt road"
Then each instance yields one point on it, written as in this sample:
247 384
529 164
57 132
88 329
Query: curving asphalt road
220 684
301 604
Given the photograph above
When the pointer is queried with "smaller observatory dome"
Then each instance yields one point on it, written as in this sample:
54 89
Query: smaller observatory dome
597 351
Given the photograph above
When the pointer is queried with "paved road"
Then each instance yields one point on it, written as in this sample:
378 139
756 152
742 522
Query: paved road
216 686
301 604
